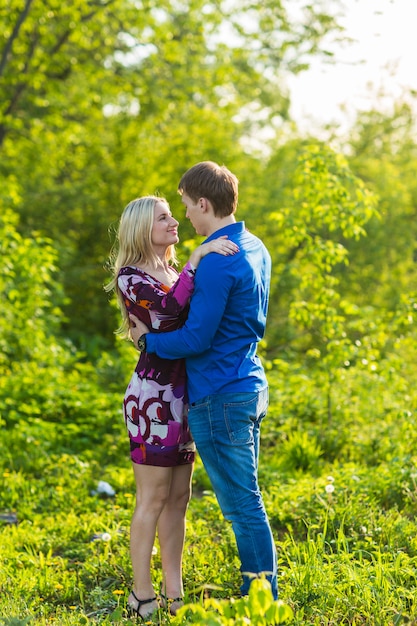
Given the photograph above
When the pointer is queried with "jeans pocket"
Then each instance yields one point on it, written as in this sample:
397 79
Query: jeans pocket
200 403
240 418
199 420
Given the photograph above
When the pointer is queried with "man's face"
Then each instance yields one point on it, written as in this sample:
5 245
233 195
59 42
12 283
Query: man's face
194 212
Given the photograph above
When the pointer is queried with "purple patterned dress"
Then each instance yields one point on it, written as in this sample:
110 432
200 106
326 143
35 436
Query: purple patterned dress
155 403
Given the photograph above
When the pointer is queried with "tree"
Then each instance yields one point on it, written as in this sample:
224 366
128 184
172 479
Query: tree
320 205
113 98
30 295
383 152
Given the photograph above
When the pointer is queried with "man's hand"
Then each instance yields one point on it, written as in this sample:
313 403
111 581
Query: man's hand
137 328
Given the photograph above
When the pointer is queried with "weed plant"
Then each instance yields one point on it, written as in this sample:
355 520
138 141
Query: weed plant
340 487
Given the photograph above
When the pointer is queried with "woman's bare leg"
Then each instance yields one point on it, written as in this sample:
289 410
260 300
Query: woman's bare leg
171 530
153 486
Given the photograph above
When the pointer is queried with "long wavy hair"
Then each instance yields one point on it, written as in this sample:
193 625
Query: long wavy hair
133 246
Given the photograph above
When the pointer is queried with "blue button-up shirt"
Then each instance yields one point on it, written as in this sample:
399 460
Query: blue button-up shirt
226 320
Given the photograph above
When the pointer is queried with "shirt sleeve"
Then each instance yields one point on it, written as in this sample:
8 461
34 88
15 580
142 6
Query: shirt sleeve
141 294
213 284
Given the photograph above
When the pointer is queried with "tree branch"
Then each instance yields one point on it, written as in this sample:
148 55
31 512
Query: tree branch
8 47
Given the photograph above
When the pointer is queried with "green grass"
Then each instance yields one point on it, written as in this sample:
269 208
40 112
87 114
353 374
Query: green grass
341 492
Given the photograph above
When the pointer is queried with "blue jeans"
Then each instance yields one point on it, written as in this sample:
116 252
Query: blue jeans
226 429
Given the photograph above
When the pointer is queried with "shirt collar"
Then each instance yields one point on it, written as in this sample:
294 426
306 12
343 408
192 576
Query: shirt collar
231 229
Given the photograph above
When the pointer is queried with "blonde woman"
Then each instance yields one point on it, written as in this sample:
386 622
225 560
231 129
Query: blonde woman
155 402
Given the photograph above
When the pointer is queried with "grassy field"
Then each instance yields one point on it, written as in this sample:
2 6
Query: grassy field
339 477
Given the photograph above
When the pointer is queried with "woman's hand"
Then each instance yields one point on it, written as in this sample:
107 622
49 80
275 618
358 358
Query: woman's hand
221 245
137 329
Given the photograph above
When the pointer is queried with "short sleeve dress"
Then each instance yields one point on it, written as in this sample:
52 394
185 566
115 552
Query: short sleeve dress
155 403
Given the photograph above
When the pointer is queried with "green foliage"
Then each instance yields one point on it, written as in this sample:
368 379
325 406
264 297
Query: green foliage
29 297
258 608
43 379
99 104
340 489
323 205
343 517
382 151
300 452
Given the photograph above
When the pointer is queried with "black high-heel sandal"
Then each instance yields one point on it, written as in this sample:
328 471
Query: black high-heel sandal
167 603
141 603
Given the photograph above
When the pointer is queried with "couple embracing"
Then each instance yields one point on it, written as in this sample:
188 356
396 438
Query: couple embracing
198 382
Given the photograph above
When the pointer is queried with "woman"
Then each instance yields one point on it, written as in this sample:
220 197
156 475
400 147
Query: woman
155 403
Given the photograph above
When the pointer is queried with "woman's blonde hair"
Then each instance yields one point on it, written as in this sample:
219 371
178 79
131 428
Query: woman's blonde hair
133 246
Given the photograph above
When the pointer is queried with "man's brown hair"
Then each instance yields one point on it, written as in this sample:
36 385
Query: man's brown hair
215 183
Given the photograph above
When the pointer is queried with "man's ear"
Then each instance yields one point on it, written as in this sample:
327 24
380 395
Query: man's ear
204 204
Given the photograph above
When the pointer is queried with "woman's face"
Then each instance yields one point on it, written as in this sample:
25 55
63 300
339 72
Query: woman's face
164 228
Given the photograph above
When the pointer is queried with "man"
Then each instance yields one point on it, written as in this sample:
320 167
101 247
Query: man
227 387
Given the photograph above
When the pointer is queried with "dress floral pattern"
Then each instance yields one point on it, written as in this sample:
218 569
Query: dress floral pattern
155 403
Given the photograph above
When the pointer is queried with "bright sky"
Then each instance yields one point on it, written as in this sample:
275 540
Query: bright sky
384 56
